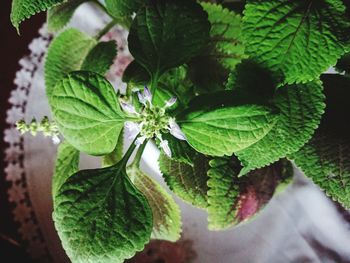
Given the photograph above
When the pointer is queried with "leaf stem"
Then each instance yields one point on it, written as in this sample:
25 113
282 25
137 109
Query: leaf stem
101 6
154 83
105 30
139 153
128 153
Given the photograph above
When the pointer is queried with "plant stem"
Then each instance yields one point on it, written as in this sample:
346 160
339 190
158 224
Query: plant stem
154 83
139 153
101 6
129 152
105 30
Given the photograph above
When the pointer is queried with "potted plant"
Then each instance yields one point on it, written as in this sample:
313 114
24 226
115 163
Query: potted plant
231 92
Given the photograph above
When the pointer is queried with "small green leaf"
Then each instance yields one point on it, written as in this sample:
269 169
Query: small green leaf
233 199
59 16
181 151
117 154
301 108
24 9
189 182
298 40
122 8
87 112
65 54
101 217
229 129
135 74
100 58
67 163
251 83
167 33
166 213
225 36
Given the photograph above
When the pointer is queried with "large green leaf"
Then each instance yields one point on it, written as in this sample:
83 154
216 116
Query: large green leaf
23 9
101 217
166 213
67 163
296 39
326 157
100 58
66 54
86 109
226 130
234 199
301 108
59 16
167 33
189 182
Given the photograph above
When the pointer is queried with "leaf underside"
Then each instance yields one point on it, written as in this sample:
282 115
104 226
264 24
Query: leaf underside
234 199
189 182
67 163
166 213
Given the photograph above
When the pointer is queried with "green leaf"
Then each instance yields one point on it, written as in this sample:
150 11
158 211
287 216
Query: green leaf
233 199
251 83
121 8
117 154
65 54
86 109
176 83
135 74
325 158
299 39
301 108
100 58
167 33
189 182
181 151
226 130
67 163
24 9
166 213
101 217
225 50
59 16
225 35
